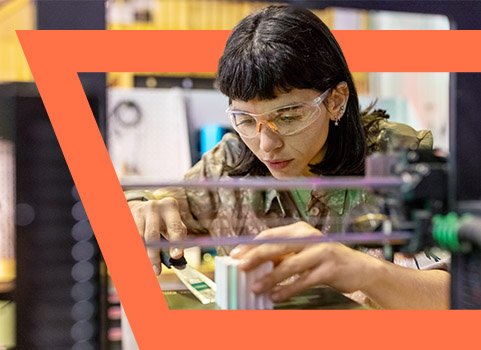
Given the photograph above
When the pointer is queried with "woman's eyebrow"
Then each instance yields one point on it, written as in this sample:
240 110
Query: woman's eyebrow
288 107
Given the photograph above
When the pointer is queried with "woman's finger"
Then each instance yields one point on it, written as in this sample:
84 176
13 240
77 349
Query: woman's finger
175 228
296 264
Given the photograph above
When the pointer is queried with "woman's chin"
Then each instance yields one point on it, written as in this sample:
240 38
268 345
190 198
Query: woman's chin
283 175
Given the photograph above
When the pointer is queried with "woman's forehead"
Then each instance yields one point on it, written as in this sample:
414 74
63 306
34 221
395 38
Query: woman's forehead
282 99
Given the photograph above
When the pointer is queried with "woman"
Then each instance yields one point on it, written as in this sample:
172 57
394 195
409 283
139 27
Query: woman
295 109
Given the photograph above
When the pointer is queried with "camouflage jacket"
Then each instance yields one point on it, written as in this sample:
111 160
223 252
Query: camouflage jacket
233 212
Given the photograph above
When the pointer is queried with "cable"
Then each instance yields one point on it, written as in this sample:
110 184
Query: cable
127 113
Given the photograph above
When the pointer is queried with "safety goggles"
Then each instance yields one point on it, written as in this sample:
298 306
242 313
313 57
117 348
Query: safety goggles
287 120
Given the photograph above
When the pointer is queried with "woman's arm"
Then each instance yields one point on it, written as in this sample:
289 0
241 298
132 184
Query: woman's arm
397 287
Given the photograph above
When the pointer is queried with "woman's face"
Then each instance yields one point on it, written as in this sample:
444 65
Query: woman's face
288 156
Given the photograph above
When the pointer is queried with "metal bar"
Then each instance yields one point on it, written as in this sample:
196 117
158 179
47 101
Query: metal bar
348 238
268 183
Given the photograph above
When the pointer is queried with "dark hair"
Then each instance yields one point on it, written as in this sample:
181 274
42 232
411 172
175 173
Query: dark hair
280 48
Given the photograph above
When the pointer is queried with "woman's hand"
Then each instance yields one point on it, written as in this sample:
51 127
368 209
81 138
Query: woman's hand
155 218
390 286
332 264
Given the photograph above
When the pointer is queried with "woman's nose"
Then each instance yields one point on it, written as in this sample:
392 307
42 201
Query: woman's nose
269 139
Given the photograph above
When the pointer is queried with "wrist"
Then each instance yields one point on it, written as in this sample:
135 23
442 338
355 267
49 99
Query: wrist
377 271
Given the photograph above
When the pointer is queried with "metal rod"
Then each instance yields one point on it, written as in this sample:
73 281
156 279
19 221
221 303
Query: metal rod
268 183
348 238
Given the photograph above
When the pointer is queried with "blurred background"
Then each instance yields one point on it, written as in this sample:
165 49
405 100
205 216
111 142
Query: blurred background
54 287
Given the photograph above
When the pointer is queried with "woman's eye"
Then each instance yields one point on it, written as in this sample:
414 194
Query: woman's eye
288 118
244 120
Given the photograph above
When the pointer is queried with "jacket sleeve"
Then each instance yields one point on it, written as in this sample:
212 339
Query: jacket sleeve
204 204
198 207
383 135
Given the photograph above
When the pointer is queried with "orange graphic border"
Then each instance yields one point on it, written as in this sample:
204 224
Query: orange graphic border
55 58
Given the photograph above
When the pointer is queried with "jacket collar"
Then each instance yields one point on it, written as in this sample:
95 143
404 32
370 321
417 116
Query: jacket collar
333 199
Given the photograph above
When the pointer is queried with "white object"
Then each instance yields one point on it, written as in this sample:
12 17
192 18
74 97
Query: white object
233 285
148 137
201 286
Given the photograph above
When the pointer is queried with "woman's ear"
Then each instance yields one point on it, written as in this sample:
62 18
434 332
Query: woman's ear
337 101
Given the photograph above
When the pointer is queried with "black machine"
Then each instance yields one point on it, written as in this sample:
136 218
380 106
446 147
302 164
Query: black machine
424 204
58 286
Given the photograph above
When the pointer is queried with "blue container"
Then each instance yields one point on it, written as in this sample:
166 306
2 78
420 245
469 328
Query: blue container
210 135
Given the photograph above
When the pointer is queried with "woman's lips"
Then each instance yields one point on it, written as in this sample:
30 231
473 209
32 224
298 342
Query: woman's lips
277 165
